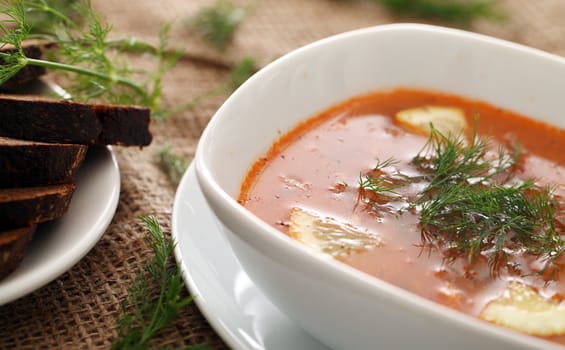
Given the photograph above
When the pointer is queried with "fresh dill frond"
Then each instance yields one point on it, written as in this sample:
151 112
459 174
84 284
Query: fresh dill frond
81 49
13 31
144 314
465 207
488 220
172 164
461 12
470 202
452 159
88 47
384 164
381 186
381 183
217 24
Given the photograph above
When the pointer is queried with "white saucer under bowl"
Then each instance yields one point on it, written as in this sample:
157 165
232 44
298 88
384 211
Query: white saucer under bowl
233 305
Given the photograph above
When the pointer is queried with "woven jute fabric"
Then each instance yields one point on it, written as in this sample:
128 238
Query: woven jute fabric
79 309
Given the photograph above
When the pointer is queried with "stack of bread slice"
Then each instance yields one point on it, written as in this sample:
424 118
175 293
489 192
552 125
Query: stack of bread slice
43 143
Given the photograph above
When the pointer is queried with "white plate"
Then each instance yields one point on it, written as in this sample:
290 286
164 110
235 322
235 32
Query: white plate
235 308
60 244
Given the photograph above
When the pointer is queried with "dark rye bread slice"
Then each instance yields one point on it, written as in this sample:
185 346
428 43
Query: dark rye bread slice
20 207
13 244
59 121
29 72
30 163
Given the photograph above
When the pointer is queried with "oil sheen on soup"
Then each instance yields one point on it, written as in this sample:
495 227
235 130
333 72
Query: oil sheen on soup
450 198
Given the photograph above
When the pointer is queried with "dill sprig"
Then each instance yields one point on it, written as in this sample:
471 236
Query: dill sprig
13 29
381 183
172 164
470 205
82 50
217 24
452 159
488 220
143 316
465 209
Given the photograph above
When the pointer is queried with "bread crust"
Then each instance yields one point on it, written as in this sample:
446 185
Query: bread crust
20 207
13 244
30 163
59 121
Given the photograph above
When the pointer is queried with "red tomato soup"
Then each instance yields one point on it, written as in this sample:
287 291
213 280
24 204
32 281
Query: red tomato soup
318 165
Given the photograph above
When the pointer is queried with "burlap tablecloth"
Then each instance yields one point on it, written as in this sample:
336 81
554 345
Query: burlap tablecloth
79 309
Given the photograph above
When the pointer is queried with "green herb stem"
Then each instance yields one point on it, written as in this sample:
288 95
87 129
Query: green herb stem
144 316
80 47
87 72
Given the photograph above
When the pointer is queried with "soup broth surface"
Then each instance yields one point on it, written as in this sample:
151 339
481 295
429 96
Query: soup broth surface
317 167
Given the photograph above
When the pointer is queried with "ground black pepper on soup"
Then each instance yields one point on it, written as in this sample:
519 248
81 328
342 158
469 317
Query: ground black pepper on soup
453 199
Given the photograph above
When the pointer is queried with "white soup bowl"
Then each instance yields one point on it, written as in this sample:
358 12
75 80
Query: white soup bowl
340 306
